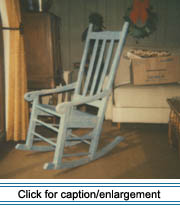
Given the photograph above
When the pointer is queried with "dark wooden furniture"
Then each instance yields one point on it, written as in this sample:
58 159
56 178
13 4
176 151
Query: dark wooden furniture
42 48
2 89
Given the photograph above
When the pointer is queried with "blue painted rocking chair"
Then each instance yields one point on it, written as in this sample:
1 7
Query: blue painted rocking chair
94 91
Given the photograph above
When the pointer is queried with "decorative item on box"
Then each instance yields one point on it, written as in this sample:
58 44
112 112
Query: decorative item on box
154 67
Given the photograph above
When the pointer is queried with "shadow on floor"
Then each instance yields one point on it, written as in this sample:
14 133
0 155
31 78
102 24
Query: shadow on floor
144 154
5 148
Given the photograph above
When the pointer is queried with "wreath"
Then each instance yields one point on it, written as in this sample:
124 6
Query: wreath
142 19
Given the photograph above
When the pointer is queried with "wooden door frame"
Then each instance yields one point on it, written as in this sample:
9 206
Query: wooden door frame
2 88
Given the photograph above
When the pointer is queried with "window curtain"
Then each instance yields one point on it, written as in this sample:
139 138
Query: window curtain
17 119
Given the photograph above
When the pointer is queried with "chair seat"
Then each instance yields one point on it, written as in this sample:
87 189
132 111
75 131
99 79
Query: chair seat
77 119
50 109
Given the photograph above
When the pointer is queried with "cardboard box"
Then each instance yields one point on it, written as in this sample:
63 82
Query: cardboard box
155 70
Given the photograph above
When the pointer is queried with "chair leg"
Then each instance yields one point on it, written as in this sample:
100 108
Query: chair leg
32 125
94 154
95 139
61 138
97 132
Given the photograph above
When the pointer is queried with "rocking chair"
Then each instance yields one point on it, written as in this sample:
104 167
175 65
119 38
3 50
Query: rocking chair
94 91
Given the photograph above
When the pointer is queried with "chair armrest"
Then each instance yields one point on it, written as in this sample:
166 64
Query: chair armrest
61 108
30 96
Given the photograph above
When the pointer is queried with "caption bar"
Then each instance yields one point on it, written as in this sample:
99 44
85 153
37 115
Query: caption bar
87 193
81 194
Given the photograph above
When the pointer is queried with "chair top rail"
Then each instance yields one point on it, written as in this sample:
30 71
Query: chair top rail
108 35
118 54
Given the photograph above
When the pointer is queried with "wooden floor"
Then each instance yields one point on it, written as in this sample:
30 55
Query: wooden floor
143 154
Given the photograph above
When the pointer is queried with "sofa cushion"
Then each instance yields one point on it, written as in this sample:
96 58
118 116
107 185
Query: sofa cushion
140 115
145 96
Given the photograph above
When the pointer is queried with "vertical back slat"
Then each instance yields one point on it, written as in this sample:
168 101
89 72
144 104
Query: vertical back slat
95 72
108 58
83 61
90 69
118 54
99 65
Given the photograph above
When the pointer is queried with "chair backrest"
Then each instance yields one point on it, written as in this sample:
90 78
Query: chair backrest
100 59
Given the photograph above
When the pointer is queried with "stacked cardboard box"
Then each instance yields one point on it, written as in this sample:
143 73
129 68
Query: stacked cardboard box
154 67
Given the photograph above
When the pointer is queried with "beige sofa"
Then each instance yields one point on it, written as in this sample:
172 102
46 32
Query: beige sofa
140 104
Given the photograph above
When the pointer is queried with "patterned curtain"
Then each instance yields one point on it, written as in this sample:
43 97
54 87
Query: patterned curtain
17 121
